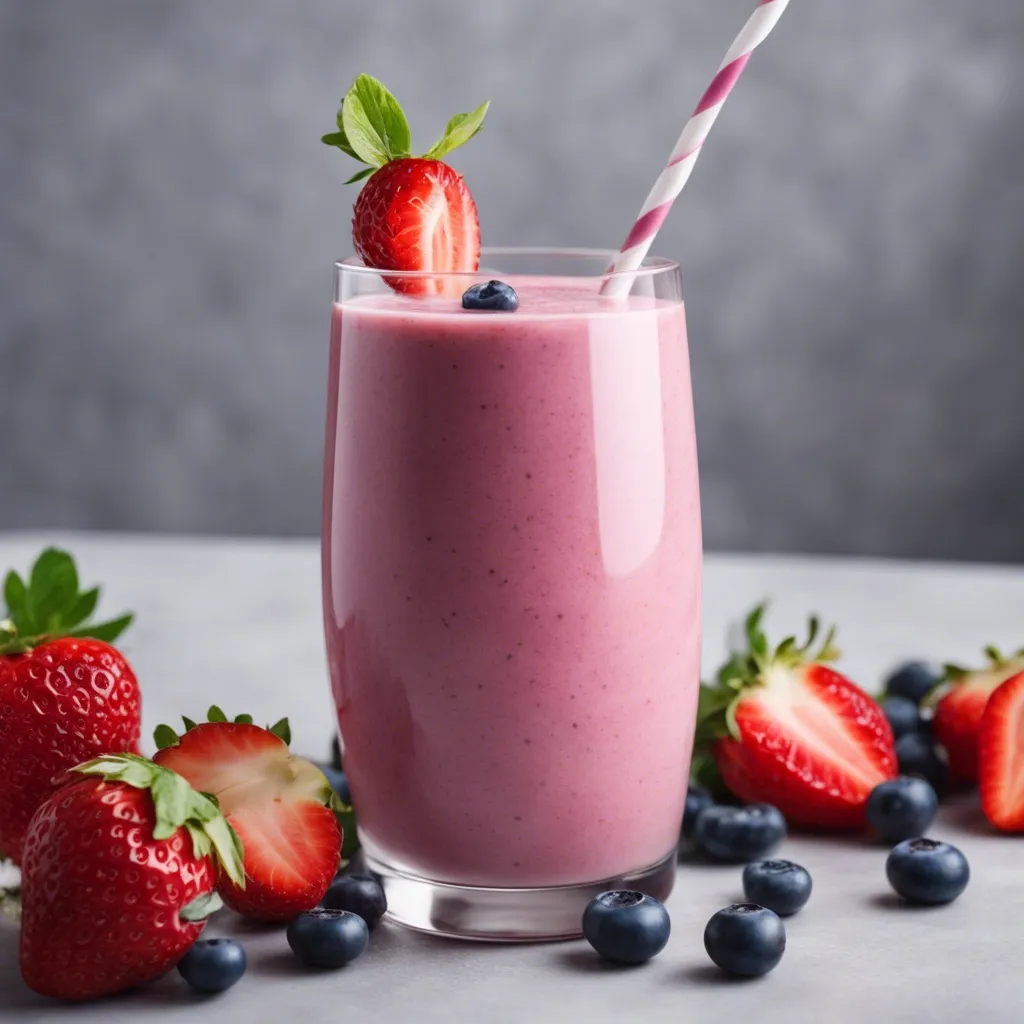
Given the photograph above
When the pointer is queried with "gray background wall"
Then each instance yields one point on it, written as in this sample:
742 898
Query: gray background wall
852 242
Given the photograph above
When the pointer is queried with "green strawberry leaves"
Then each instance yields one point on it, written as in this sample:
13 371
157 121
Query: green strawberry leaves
176 805
460 129
372 128
165 736
50 605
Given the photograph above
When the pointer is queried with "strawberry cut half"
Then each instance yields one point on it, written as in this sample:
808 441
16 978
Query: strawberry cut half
786 729
1001 761
417 215
280 806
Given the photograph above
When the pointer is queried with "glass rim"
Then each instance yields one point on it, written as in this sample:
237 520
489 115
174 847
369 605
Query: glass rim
650 267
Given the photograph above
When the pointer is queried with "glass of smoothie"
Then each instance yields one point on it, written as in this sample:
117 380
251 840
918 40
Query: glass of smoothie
512 586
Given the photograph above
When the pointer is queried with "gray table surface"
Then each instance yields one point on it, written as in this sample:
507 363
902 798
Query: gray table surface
238 622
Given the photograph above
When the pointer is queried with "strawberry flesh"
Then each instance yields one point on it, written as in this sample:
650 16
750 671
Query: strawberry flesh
811 743
1001 761
413 215
277 803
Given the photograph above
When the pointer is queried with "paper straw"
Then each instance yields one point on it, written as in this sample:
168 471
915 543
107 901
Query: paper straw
684 157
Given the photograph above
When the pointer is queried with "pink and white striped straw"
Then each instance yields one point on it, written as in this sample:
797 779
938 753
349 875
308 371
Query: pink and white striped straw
681 163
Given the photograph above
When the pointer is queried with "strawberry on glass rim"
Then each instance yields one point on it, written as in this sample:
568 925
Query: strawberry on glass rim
415 214
281 806
784 728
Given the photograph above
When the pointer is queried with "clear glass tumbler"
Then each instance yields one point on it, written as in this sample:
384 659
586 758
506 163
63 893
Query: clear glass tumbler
512 586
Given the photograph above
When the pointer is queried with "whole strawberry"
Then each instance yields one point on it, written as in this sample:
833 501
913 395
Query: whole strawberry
415 214
280 805
785 729
66 695
959 705
118 877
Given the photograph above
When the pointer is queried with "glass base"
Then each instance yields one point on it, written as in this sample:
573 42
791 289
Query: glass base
547 914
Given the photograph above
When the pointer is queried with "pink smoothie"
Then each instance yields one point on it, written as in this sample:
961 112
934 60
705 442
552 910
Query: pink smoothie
512 574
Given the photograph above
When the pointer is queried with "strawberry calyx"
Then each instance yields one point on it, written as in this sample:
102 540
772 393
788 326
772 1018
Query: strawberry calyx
748 668
166 736
176 805
373 129
49 605
953 675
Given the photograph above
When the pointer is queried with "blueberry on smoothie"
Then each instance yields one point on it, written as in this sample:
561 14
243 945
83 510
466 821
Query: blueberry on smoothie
494 296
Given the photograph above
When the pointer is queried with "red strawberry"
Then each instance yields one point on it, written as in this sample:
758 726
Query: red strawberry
117 877
281 806
415 214
1001 761
959 707
66 695
785 729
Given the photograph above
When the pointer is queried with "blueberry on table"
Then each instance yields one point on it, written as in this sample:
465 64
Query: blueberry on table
779 885
903 715
745 939
902 808
358 894
917 755
495 296
626 927
213 965
913 680
327 938
739 834
927 871
697 798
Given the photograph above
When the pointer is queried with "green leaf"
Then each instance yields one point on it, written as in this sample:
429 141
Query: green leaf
359 175
189 724
346 816
108 632
201 907
374 123
995 655
339 139
215 714
243 719
164 736
52 588
460 129
16 600
282 730
84 606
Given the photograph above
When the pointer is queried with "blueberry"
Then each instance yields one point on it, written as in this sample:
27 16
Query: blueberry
779 885
327 938
745 939
494 295
739 834
903 715
359 894
917 755
697 798
338 781
927 871
902 808
336 753
626 927
912 680
213 965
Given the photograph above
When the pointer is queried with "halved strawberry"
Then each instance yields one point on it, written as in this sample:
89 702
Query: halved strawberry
960 704
280 805
787 730
415 214
1001 760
